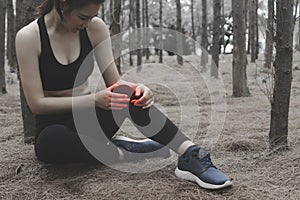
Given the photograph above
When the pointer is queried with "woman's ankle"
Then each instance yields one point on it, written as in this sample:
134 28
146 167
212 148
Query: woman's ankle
184 146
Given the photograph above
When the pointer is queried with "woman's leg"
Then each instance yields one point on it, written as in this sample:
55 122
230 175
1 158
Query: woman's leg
194 164
155 125
150 122
59 144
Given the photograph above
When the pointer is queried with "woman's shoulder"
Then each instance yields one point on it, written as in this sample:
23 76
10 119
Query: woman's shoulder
29 33
97 31
97 24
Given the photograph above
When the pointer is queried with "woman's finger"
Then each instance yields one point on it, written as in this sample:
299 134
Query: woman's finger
120 100
151 103
138 90
138 101
117 106
118 95
145 103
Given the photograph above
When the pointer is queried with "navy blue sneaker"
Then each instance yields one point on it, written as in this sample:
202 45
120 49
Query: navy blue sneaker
144 147
195 165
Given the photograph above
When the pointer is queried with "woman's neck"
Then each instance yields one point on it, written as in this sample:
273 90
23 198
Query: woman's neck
55 23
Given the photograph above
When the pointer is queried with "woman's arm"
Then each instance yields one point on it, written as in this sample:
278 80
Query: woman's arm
101 42
100 39
28 48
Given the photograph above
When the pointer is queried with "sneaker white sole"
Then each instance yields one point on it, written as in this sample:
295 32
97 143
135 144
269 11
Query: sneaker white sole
119 137
191 177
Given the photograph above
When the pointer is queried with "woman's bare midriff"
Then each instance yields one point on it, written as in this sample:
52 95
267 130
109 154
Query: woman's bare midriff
78 91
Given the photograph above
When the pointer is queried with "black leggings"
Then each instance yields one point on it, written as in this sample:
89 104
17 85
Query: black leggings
59 141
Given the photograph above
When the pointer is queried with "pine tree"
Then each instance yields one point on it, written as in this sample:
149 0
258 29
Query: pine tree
239 66
2 45
283 74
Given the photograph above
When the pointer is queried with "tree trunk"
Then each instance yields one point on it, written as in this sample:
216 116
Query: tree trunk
143 13
160 33
147 29
296 17
11 50
2 47
298 35
283 74
143 25
204 40
193 24
247 19
25 13
239 72
270 35
103 11
216 39
222 10
198 20
131 26
139 34
179 36
256 31
252 31
115 28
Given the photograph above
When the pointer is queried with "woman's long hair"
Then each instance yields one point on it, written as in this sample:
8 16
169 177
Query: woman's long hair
47 5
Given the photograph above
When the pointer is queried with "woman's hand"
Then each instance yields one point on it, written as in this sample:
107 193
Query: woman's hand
108 100
146 96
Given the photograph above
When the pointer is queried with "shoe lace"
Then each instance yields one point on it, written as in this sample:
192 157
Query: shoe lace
207 161
204 157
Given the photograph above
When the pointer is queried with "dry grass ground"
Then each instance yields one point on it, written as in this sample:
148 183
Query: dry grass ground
241 151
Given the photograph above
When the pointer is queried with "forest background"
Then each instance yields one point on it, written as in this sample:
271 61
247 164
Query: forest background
261 167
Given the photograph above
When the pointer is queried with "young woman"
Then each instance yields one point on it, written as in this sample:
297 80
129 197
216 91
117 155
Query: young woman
50 51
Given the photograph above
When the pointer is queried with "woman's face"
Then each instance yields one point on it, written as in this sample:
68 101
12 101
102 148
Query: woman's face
78 19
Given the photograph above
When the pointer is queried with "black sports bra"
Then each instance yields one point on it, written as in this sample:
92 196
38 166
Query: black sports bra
56 76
